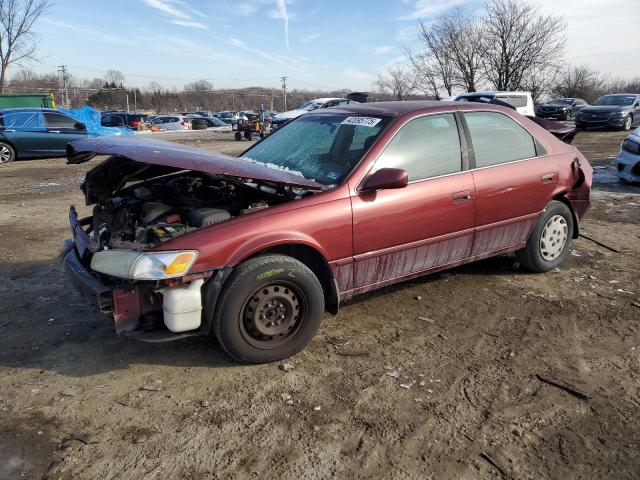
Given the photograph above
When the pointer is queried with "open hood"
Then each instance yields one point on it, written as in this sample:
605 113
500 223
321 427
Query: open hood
135 159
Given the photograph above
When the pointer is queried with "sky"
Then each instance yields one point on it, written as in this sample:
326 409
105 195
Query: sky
317 44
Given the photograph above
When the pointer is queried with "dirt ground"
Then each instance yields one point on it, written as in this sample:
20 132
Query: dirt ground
429 379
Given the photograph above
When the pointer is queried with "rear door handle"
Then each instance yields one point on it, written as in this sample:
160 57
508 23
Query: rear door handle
54 131
547 177
461 197
8 130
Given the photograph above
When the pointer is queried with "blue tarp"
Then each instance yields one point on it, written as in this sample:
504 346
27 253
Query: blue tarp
91 118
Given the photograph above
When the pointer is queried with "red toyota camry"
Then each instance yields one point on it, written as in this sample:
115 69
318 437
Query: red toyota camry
253 250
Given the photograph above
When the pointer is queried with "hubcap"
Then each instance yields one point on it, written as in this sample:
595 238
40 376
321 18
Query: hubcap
627 123
272 314
553 238
5 154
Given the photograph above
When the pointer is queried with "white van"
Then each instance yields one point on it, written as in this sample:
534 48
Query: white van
521 100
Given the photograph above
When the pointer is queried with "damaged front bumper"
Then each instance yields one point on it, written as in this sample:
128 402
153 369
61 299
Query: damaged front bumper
628 163
95 293
138 307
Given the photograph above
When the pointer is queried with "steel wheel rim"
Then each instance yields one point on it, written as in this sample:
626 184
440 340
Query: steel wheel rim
5 154
554 238
273 314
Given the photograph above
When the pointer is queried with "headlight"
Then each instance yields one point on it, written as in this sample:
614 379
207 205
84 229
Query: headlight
143 266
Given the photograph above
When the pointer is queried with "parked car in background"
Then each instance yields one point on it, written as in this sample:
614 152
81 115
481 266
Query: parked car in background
229 117
338 202
561 108
36 133
132 120
209 123
282 118
620 110
205 113
171 122
522 101
628 161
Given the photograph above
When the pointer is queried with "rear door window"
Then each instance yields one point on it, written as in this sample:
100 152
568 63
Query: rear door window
425 147
56 120
22 120
497 139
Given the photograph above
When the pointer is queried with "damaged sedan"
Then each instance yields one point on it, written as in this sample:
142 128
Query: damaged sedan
253 250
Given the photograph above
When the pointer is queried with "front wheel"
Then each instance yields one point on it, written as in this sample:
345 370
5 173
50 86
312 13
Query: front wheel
270 309
7 153
550 241
238 136
628 121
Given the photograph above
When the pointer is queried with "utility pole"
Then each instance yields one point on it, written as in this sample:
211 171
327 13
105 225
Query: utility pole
284 92
62 70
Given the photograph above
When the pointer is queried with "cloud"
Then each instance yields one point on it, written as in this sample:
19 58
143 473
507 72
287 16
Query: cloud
383 50
92 33
357 76
429 8
282 9
188 23
407 33
178 11
310 37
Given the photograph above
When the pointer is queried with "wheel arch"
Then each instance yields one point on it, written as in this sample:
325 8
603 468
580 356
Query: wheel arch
11 144
562 197
315 261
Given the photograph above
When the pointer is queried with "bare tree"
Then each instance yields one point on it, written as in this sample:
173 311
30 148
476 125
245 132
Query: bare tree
18 43
580 82
519 42
114 78
398 81
198 86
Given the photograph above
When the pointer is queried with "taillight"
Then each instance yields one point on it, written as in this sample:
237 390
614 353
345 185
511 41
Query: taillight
135 123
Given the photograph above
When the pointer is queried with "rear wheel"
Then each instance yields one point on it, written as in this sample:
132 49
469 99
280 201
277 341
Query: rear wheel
238 136
7 153
550 241
269 309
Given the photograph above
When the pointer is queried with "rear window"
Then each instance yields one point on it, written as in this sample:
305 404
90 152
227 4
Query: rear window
514 100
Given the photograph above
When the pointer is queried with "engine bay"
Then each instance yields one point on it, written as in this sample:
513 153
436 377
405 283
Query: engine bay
158 209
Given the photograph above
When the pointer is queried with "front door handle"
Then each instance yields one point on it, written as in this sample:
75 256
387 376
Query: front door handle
547 177
54 131
461 197
8 130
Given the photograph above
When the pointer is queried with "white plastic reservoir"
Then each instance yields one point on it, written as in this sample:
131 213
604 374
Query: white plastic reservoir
182 306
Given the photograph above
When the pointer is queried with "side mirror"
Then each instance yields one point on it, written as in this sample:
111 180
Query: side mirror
386 179
80 126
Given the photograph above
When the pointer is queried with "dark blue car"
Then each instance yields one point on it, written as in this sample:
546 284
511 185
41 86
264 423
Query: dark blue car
36 133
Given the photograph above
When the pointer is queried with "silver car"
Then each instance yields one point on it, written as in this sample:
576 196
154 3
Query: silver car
628 160
171 122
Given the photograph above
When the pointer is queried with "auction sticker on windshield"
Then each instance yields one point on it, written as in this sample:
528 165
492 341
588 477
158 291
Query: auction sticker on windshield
362 121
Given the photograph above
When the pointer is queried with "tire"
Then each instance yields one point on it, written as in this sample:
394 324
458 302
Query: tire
568 116
248 135
550 240
628 122
7 153
238 136
269 309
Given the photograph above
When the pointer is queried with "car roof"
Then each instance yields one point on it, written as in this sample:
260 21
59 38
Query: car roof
29 109
390 109
518 92
621 95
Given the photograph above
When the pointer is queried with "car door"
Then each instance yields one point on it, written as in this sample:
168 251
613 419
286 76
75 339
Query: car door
429 223
513 177
62 130
25 130
636 111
